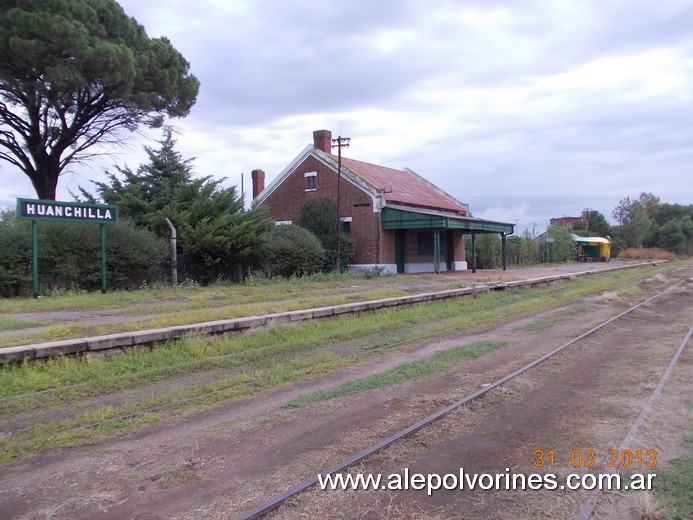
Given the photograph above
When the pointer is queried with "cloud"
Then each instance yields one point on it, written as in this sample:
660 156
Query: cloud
525 110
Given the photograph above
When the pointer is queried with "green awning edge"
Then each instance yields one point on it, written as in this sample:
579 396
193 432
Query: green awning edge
401 219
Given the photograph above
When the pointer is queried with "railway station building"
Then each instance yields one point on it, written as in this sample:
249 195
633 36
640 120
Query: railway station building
399 222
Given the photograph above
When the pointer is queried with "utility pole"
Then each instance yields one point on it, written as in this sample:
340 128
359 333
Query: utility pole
339 143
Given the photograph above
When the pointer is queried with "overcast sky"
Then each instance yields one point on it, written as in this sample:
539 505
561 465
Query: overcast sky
525 110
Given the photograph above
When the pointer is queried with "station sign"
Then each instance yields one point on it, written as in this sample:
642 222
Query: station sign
30 209
35 210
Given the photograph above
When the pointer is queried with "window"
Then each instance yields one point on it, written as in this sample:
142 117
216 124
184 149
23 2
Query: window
346 225
310 180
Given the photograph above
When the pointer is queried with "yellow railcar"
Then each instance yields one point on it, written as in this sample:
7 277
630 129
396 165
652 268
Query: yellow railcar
592 249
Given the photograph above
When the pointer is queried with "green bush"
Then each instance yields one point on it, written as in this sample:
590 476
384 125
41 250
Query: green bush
676 235
319 216
488 251
217 238
563 247
293 251
134 256
15 255
69 256
523 249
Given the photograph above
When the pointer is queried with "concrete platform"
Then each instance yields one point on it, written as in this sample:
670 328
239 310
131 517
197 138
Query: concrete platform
513 278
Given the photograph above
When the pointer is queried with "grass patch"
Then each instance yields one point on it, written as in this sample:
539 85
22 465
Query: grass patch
193 304
107 420
402 373
10 323
173 313
675 485
439 317
225 425
158 297
173 476
254 361
541 325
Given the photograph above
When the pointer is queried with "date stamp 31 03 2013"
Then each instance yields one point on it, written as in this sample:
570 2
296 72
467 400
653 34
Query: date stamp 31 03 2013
587 458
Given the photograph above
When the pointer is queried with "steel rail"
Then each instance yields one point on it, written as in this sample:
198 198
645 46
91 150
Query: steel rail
177 402
279 499
590 503
182 401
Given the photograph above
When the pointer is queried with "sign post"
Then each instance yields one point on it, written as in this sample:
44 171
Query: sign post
34 258
103 258
35 210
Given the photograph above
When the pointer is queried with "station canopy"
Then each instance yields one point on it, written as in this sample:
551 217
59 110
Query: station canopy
395 218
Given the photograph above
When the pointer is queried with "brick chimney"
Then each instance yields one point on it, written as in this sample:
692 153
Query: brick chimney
322 140
258 177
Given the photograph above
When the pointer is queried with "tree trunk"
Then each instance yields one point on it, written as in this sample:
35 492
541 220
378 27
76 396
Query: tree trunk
45 180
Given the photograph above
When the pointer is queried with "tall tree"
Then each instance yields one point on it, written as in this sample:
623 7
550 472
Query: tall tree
562 249
621 210
677 235
215 234
597 222
650 203
667 212
73 75
636 218
319 216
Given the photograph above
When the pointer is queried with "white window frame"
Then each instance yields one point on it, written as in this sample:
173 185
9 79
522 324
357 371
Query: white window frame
311 184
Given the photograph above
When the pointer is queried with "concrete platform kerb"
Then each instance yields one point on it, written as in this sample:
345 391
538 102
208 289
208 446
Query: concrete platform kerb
152 336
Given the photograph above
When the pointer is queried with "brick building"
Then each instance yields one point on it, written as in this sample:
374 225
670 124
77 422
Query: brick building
582 222
397 220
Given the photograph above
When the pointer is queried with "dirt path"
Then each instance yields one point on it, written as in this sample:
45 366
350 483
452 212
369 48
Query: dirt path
585 400
218 463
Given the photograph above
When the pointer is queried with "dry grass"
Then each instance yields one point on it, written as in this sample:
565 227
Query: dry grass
351 504
640 505
647 254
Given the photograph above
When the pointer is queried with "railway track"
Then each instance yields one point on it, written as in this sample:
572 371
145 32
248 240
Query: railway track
18 433
234 373
360 345
281 498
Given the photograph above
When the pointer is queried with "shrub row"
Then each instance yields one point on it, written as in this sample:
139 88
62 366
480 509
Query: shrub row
69 255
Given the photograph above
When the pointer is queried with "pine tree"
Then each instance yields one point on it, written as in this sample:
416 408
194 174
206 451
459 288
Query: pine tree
215 234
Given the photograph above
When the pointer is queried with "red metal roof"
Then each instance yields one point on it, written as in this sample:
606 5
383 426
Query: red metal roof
404 187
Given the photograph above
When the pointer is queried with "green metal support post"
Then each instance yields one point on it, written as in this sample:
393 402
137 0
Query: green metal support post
504 244
103 258
34 258
436 251
473 252
55 210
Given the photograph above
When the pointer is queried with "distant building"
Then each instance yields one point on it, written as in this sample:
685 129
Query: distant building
582 222
398 221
